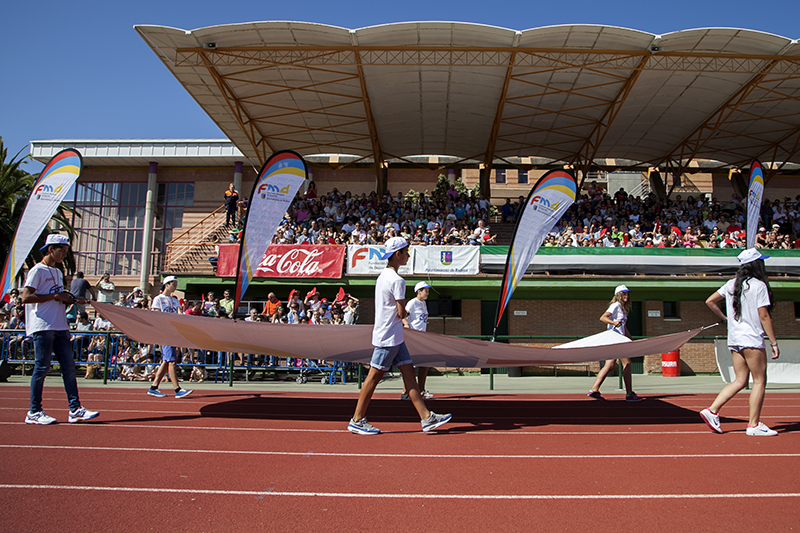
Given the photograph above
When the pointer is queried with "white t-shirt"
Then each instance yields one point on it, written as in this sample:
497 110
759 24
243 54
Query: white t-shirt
746 332
45 316
417 314
617 313
166 304
388 329
103 296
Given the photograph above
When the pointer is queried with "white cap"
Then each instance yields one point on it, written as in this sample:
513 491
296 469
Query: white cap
621 288
55 238
750 255
168 279
137 289
421 285
393 245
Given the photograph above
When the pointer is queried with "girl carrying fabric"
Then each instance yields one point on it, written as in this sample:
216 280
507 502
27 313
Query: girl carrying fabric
748 303
615 318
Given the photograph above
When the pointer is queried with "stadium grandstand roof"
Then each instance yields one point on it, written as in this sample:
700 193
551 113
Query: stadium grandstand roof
587 95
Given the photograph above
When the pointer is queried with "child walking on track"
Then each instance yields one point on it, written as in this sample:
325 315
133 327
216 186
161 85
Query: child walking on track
418 319
387 339
167 303
615 318
748 303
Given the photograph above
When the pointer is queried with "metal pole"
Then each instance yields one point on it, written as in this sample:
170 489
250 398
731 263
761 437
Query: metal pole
619 373
233 358
105 359
149 220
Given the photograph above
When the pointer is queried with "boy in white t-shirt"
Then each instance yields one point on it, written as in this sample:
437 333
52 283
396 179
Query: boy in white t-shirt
417 319
167 303
748 303
46 321
390 350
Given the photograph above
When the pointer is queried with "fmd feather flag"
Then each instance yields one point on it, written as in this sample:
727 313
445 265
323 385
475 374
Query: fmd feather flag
755 192
54 182
546 204
273 192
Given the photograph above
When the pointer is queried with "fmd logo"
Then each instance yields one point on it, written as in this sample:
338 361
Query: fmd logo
45 190
268 187
369 254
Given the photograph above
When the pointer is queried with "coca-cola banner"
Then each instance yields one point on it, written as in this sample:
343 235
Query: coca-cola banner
287 261
366 259
447 260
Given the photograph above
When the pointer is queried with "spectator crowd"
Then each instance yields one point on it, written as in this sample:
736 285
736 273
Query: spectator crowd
596 219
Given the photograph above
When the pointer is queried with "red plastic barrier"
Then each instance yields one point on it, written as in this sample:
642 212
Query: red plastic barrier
671 364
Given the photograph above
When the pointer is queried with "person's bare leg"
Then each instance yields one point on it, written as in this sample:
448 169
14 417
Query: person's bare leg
757 363
601 376
410 383
367 390
422 377
173 375
730 390
626 375
162 369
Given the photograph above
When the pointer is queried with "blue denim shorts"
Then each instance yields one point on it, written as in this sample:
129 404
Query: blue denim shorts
386 358
168 354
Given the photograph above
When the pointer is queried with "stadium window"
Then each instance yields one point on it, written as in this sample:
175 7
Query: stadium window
671 310
522 177
500 175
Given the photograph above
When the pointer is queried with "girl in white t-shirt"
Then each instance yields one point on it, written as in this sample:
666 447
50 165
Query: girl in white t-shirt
615 318
748 303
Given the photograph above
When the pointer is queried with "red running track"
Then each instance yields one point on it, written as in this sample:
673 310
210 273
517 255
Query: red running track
225 461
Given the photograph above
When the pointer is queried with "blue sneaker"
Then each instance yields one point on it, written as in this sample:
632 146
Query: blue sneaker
362 427
155 392
434 421
183 393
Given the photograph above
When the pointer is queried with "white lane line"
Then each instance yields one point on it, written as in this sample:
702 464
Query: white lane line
399 455
262 494
487 432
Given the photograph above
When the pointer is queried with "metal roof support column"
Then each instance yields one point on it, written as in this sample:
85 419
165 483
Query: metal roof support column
381 172
488 157
149 220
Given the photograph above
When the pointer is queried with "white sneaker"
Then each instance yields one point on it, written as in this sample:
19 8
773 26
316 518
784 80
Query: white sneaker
711 420
761 430
40 418
81 413
434 421
362 427
427 395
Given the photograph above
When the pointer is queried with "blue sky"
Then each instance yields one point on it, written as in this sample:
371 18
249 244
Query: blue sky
78 70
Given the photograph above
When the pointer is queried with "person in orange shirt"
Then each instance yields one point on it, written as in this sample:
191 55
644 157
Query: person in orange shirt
271 305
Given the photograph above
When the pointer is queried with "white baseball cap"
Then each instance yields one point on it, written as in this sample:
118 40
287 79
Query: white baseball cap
393 245
421 285
169 279
55 239
750 255
621 288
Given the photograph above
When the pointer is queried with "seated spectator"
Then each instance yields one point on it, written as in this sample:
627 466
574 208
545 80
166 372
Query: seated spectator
271 305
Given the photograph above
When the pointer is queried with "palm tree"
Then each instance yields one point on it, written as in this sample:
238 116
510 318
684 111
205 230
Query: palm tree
16 186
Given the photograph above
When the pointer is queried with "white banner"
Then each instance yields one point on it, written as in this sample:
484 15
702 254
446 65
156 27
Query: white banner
448 260
784 369
54 182
366 259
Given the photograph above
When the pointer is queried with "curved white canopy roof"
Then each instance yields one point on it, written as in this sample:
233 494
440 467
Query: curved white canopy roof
574 93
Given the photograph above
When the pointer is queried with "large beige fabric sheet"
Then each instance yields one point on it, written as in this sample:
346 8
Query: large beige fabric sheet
353 343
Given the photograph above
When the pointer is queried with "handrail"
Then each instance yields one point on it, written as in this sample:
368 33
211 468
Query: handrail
177 248
200 223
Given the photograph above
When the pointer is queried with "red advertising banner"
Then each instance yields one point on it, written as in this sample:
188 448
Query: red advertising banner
287 261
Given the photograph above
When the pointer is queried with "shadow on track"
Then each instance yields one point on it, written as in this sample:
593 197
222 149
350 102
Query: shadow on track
472 414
